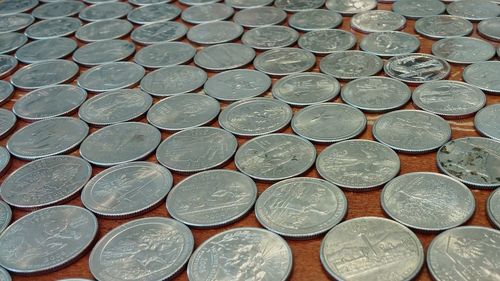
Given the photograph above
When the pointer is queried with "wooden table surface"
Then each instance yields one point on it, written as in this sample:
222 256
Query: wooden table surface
306 265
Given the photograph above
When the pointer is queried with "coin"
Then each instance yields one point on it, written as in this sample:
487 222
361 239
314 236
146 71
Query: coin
377 20
7 65
483 75
102 52
237 84
463 50
214 32
487 121
153 13
443 26
298 5
376 94
46 49
5 216
104 30
120 143
246 4
148 2
212 198
7 122
111 76
206 13
45 182
389 43
127 190
185 111
197 2
260 16
58 9
258 252
350 64
473 10
490 28
158 32
169 244
164 54
327 41
420 9
52 28
56 237
9 7
49 102
173 80
269 37
472 160
284 61
93 1
15 22
447 261
314 20
196 149
224 56
492 208
44 73
4 275
4 163
255 117
11 41
417 68
105 11
402 260
6 91
351 7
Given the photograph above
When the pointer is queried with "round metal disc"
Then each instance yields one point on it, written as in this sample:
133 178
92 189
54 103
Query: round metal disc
105 11
238 84
104 30
443 26
45 73
158 32
52 28
487 121
46 49
111 76
102 52
164 54
174 80
350 64
417 68
7 65
284 61
224 56
483 75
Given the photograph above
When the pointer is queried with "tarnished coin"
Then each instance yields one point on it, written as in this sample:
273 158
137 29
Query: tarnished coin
487 121
298 5
15 22
284 61
473 10
447 260
165 54
378 20
120 143
261 16
7 65
275 157
105 11
127 190
237 84
224 56
11 41
255 117
111 76
389 43
483 75
490 28
207 13
417 68
301 208
214 32
185 111
315 19
269 37
327 41
158 32
46 49
52 28
9 7
418 9
58 9
443 26
197 2
49 102
348 65
5 217
246 4
246 244
6 90
115 107
196 149
307 88
167 242
212 198
45 73
492 208
173 80
7 121
148 2
102 52
411 131
55 237
352 250
463 50
4 165
153 13
45 182
351 7
104 30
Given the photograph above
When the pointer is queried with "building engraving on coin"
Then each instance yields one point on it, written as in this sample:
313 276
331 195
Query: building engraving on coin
417 68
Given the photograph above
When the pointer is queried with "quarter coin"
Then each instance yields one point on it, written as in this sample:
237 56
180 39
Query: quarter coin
6 90
46 49
52 28
315 19
111 76
260 16
246 4
492 208
216 32
58 9
105 11
443 26
211 12
9 7
483 75
389 43
7 121
327 41
417 68
174 80
164 54
4 275
102 52
487 121
7 65
420 9
104 30
284 61
377 21
197 2
153 13
44 73
349 65
237 84
351 7
5 216
269 37
148 2
158 32
473 10
15 22
224 56
11 41
4 162
298 5
490 28
463 50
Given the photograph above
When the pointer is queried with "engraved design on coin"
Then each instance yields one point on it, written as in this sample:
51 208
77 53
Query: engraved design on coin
417 68
487 121
284 61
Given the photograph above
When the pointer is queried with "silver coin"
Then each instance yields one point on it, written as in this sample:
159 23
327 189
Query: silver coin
58 9
269 37
52 28
196 149
351 7
237 84
15 22
127 190
164 54
246 244
111 76
411 131
275 157
4 275
49 102
214 32
102 52
490 28
224 56
207 13
255 117
120 143
329 122
11 41
167 242
368 238
247 4
45 182
105 11
185 111
7 122
6 91
158 32
45 73
327 41
487 121
315 20
46 49
389 43
447 260
94 1
420 9
7 65
153 13
9 7
298 5
174 80
483 75
4 165
74 279
261 16
443 26
197 2
463 50
350 64
377 20
301 208
212 198
417 68
284 61
473 10
104 30
5 216
148 2
492 208
55 237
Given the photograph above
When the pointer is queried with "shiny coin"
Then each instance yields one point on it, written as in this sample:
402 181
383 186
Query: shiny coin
105 11
169 240
389 43
351 7
443 26
101 52
92 1
127 190
275 157
15 22
196 149
47 138
350 64
45 182
4 275
376 94
298 5
11 41
212 198
173 80
447 260
7 65
417 68
7 122
420 9
483 75
153 13
111 76
340 247
46 49
269 37
377 20
237 84
492 208
255 117
58 9
52 28
301 208
315 20
9 7
284 61
197 2
4 165
246 4
148 2
45 73
165 54
261 16
463 50
490 28
214 32
487 121
104 30
183 111
5 216
158 32
411 131
207 13
6 90
473 10
327 41
56 237
120 143
417 201
247 244
115 107
224 56
49 102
